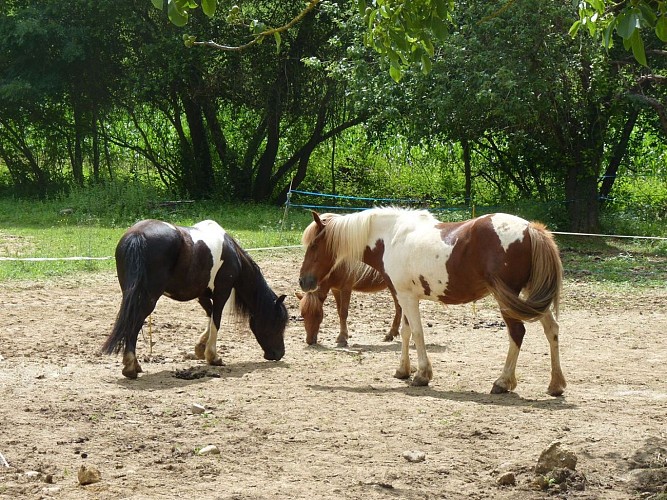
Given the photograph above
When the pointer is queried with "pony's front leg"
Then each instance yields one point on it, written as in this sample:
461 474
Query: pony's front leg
403 370
342 305
211 352
507 380
424 373
557 384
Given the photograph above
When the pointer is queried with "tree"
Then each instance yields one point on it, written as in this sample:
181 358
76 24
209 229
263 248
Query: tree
634 21
542 116
403 32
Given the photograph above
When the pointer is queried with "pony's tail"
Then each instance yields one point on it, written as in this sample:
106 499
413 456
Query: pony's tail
130 318
545 284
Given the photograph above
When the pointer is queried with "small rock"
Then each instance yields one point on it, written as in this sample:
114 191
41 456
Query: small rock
88 474
197 409
556 456
51 491
506 479
414 456
211 449
32 474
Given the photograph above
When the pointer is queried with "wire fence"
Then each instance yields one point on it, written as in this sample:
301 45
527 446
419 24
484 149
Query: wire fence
321 202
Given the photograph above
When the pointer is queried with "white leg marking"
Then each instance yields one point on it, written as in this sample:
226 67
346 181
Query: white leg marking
507 380
403 370
211 352
410 307
551 329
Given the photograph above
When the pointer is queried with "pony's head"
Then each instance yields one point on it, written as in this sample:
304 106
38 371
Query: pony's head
269 328
311 307
319 259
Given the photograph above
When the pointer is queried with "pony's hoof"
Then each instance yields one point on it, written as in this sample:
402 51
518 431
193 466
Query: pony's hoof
557 391
217 361
419 381
131 374
496 389
341 343
400 374
200 350
388 338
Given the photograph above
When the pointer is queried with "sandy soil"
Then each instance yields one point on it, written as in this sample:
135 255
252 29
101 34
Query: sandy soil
327 422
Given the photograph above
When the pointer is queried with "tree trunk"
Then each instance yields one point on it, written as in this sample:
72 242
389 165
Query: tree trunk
198 169
262 186
79 134
581 191
617 156
467 167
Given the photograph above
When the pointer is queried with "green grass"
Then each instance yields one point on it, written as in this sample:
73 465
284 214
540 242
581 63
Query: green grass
40 230
90 223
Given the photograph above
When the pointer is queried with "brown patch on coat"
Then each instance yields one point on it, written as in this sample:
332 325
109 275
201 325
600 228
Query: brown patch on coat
425 285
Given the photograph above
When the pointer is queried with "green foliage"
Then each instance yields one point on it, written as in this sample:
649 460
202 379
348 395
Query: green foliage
632 21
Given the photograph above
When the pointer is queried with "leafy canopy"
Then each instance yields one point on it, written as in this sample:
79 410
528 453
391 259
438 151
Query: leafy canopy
402 31
632 20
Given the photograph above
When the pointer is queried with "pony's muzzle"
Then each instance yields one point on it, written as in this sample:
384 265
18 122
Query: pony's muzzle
275 355
308 283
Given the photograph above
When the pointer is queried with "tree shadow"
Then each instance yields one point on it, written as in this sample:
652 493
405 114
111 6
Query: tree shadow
507 399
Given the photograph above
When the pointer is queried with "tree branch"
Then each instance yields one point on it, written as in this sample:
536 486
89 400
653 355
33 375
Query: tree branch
266 33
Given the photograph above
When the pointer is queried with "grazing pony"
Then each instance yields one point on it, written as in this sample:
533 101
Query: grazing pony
342 281
155 258
454 263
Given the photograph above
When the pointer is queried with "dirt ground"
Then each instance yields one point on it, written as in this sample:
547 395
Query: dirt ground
327 422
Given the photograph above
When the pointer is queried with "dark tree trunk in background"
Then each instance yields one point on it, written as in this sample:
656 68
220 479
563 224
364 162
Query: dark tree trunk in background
197 168
262 186
79 134
467 167
617 156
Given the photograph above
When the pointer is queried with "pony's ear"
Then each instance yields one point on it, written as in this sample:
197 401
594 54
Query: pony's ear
280 299
316 218
298 295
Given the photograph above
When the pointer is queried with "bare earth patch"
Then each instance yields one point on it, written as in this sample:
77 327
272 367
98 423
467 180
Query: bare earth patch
327 422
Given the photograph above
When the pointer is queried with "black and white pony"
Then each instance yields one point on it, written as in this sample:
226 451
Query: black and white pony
155 258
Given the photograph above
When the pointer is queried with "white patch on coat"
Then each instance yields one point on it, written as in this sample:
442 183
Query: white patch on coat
169 225
212 234
417 250
509 228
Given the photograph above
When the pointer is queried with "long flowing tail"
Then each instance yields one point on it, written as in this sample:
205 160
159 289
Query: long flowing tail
545 284
130 319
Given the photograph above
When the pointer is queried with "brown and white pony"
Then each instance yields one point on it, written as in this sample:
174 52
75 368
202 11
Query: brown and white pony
155 258
422 258
342 281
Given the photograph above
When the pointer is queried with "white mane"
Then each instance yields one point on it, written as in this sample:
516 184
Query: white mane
349 235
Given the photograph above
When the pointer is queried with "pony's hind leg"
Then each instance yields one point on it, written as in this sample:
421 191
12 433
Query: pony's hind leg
200 346
507 380
393 332
131 366
557 384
